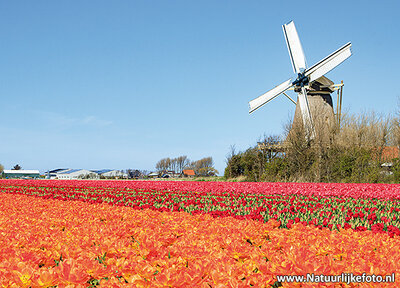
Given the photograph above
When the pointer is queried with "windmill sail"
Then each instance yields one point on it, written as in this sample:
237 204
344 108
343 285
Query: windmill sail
268 96
304 77
294 46
306 114
329 62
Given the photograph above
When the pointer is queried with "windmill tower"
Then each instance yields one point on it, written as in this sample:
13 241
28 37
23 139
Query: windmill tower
314 101
321 109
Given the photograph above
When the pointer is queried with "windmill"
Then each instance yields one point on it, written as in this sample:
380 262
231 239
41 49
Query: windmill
310 83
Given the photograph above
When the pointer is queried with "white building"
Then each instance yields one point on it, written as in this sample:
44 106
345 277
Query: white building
21 174
153 175
71 174
52 174
108 173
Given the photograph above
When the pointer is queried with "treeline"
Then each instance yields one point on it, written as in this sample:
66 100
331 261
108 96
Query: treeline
363 149
202 167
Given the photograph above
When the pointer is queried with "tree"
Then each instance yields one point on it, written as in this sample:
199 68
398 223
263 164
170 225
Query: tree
182 162
204 167
173 164
17 167
234 166
229 159
144 172
163 164
135 173
207 171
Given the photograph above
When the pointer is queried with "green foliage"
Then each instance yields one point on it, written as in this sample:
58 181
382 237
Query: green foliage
305 162
250 163
276 170
396 170
308 165
355 165
234 167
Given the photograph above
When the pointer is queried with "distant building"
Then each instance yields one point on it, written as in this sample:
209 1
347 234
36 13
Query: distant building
169 174
52 174
153 175
21 174
389 153
188 173
72 174
108 173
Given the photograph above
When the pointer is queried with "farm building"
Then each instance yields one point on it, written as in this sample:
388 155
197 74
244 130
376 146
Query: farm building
169 174
108 173
153 175
77 174
21 174
389 153
388 156
52 174
188 173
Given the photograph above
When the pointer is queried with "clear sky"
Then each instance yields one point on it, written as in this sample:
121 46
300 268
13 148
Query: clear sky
122 84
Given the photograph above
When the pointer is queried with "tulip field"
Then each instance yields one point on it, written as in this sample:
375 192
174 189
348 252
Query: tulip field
76 233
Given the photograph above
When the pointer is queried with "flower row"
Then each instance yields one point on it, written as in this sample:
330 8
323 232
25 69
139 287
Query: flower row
352 190
334 212
52 243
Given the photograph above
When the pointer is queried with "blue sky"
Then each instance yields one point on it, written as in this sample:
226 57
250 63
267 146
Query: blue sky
122 84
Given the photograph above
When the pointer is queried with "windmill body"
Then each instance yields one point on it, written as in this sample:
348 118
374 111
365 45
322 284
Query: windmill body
321 109
314 101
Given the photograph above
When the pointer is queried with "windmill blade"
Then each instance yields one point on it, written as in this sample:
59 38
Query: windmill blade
268 96
329 62
294 46
306 114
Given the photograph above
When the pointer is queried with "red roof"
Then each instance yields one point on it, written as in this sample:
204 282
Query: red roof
389 153
188 172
